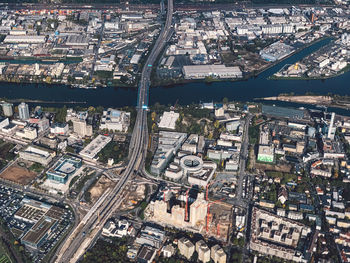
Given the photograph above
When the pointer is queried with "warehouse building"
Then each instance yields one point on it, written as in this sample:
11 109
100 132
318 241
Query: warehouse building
215 71
25 39
77 40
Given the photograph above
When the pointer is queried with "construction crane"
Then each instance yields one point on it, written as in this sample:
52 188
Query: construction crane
207 191
208 211
165 191
186 208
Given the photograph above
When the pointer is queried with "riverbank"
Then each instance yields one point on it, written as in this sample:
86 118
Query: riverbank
317 100
341 72
246 76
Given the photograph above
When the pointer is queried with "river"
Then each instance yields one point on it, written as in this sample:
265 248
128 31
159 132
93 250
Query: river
196 92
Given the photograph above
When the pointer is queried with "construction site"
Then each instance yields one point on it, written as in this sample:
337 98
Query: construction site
191 210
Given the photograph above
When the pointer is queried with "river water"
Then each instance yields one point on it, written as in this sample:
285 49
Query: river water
246 90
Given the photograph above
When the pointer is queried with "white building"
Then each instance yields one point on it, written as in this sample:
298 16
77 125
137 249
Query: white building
25 39
115 120
186 247
216 71
203 251
94 147
23 111
217 254
81 128
168 120
27 133
37 154
4 122
59 128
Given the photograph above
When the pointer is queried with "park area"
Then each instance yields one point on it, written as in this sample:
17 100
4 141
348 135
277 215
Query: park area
18 173
5 153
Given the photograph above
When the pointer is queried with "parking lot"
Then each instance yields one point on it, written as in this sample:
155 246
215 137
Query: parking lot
11 201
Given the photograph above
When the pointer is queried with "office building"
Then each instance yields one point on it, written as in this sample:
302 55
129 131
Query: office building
7 109
331 129
81 128
63 169
4 122
42 124
151 236
29 133
23 111
37 154
94 147
115 120
168 144
59 128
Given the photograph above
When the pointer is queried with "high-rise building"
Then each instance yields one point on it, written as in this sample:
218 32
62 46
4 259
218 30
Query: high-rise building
23 111
331 129
7 109
81 128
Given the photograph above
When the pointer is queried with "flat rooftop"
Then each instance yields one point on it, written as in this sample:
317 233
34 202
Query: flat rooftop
94 147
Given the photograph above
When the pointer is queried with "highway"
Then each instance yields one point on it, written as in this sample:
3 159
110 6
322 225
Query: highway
85 234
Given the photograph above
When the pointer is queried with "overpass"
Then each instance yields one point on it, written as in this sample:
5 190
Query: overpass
88 230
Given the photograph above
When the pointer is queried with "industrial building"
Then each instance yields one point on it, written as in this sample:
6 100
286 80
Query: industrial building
77 40
63 169
276 51
95 146
37 154
25 39
215 71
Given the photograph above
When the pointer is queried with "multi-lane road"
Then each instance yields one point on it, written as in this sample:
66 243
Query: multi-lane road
90 227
